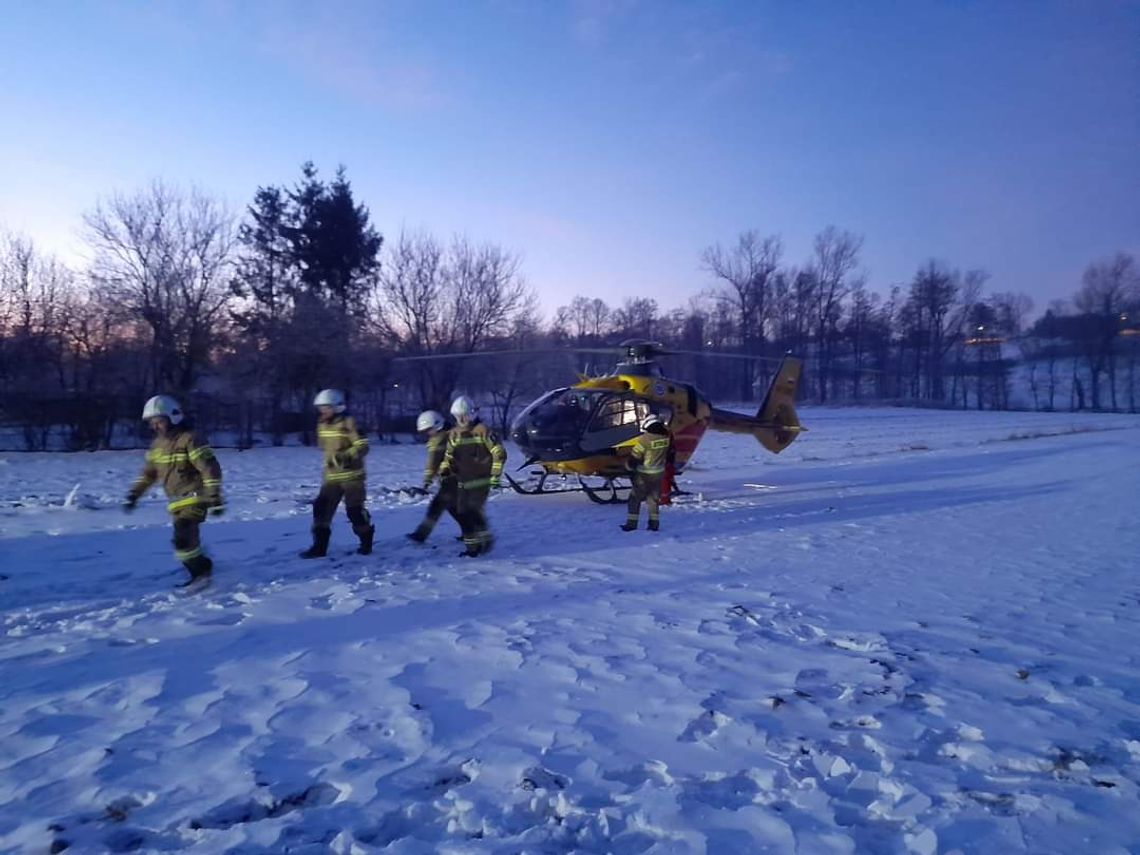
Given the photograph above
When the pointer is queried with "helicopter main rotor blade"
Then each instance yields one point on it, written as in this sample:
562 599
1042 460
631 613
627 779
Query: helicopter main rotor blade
720 353
649 356
429 357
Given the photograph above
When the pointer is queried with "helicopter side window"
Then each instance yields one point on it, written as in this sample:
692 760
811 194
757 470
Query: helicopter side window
618 413
622 412
617 420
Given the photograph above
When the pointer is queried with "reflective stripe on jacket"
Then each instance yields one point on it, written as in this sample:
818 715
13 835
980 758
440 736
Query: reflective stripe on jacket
650 451
189 471
436 450
343 448
474 456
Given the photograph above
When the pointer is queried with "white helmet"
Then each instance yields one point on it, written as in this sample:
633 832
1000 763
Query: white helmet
162 405
651 420
429 420
464 408
330 398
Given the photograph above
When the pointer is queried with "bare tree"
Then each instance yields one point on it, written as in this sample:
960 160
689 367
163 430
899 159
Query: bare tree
836 256
412 286
1010 310
1108 289
747 271
163 256
452 301
486 293
637 318
585 319
36 295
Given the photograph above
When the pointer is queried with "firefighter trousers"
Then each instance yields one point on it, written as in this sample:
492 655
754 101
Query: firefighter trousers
325 505
646 487
445 499
187 541
472 518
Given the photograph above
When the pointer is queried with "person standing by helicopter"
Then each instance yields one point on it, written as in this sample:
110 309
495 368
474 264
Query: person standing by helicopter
342 476
474 457
191 476
431 423
647 458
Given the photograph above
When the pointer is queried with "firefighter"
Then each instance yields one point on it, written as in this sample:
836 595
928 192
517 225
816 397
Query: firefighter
474 457
431 423
647 460
190 475
342 475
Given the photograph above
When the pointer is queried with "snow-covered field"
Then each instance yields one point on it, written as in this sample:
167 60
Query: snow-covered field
912 632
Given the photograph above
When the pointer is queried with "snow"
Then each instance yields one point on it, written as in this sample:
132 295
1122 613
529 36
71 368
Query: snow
912 632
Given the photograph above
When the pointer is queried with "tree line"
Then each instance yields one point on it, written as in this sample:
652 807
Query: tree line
245 318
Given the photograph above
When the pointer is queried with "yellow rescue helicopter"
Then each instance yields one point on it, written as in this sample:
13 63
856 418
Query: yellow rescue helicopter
585 430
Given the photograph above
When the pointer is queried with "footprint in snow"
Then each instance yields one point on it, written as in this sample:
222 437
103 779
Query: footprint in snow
653 771
704 726
538 778
449 777
240 811
818 685
226 619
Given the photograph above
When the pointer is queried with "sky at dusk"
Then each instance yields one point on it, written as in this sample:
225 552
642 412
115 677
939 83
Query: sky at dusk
606 143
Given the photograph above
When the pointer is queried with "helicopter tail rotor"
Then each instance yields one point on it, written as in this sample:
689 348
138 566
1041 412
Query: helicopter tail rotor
779 408
775 424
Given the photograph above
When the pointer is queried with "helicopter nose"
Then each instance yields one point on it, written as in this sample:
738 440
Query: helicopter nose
543 441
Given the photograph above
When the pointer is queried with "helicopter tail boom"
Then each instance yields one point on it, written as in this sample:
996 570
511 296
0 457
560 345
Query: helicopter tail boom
775 424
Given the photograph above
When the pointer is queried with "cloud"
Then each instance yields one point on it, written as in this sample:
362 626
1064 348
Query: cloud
357 57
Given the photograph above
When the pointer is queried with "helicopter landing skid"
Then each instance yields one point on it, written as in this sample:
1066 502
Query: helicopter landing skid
609 493
540 487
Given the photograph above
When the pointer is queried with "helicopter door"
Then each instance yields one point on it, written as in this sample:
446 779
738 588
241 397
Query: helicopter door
617 419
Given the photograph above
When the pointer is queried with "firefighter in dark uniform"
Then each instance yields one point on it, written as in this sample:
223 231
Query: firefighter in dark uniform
474 457
191 477
342 476
431 423
647 459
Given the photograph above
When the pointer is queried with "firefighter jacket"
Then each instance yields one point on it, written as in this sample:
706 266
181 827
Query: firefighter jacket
188 470
650 451
474 456
344 449
436 450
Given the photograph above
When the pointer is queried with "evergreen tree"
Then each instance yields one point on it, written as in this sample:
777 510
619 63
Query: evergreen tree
265 276
334 246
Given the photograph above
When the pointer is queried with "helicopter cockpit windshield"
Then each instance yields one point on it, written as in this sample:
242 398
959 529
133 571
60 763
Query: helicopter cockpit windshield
566 423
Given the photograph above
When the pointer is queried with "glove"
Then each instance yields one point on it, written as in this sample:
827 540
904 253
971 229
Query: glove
494 483
427 484
129 504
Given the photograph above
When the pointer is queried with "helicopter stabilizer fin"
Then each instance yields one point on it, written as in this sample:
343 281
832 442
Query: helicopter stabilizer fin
775 424
778 412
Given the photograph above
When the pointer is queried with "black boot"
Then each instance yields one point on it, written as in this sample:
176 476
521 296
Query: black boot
199 567
320 547
654 525
629 525
420 534
365 547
